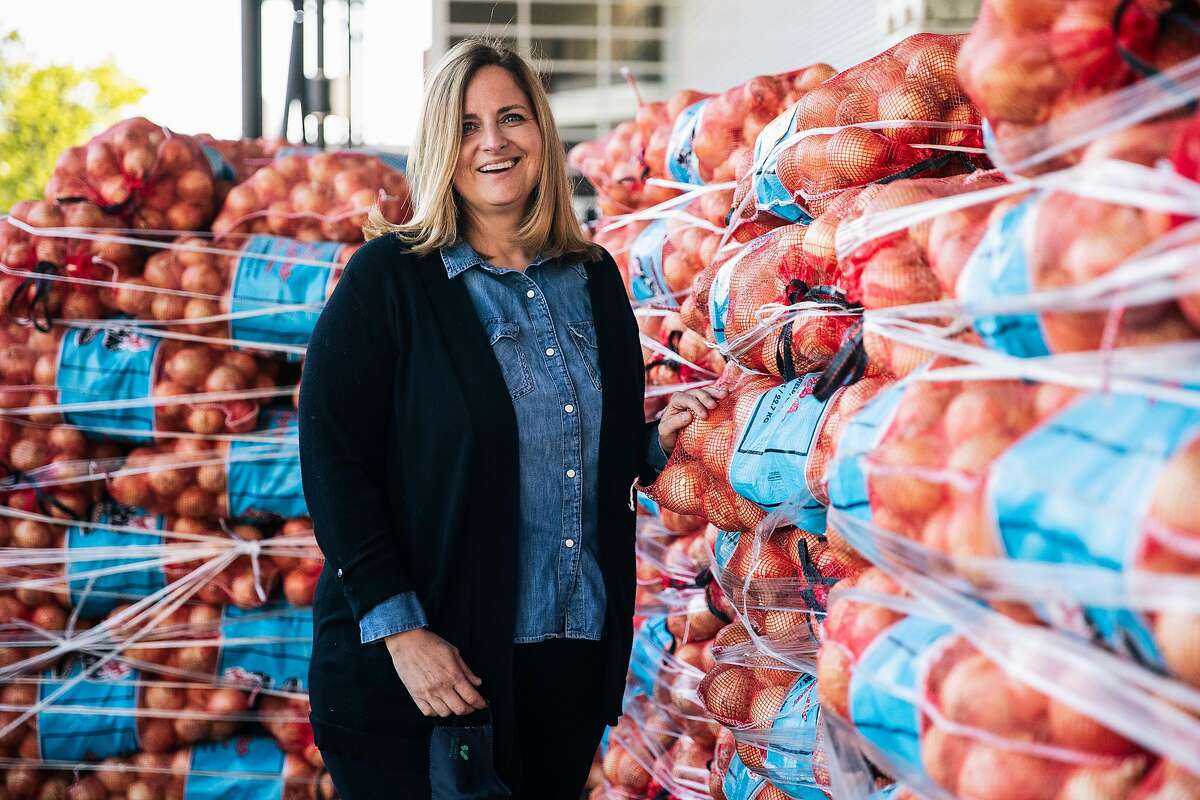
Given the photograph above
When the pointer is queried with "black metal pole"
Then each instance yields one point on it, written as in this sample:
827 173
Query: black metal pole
252 122
320 67
295 79
349 73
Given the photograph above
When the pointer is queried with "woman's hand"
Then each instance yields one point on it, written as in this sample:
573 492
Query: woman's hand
682 409
434 674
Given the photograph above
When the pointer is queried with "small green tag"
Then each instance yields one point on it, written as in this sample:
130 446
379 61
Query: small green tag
464 752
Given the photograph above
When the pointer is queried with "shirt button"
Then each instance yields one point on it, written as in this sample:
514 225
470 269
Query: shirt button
569 542
570 409
530 294
570 473
339 573
549 351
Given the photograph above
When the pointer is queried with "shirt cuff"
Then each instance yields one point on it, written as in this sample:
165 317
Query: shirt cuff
655 456
399 613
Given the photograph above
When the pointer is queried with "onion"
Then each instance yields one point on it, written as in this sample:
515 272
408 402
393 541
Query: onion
49 617
206 420
225 378
22 782
243 591
16 364
190 730
31 534
300 587
167 482
163 697
194 185
28 453
115 779
194 502
190 366
87 787
162 271
167 306
156 735
211 478
225 702
186 216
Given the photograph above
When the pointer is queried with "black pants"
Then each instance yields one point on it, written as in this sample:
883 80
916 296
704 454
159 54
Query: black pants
559 725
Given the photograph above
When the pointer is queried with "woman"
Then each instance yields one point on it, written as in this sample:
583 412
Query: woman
471 425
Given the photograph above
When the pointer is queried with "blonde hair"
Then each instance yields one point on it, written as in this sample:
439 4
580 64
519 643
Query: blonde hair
549 226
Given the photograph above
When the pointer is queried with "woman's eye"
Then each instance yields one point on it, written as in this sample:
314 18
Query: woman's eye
512 118
469 127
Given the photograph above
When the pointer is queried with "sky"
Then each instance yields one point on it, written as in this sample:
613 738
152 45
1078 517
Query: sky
187 54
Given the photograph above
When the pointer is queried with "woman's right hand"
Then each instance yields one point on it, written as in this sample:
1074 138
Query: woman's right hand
434 673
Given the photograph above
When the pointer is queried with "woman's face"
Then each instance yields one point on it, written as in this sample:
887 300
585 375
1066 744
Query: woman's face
500 157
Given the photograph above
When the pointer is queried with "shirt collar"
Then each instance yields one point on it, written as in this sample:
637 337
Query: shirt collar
460 257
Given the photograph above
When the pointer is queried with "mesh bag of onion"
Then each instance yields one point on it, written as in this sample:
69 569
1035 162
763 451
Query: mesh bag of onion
259 291
617 164
778 588
948 697
60 274
167 680
1005 486
86 568
899 114
775 718
764 448
143 173
322 197
248 766
650 755
711 135
770 311
1048 75
1085 261
127 383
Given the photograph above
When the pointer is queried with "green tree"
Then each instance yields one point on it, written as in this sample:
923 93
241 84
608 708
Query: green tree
45 109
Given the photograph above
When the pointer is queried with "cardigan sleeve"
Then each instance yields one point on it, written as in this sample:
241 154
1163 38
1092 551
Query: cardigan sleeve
346 408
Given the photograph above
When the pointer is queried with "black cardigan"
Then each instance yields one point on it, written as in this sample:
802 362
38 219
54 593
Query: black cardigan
408 449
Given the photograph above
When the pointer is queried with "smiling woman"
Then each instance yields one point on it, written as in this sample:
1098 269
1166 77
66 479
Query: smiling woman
478 531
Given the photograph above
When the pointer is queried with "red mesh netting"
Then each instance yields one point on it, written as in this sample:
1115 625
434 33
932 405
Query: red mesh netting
983 732
143 173
912 83
23 253
748 288
321 197
1028 62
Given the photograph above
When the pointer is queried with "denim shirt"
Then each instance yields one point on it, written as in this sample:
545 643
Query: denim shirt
541 329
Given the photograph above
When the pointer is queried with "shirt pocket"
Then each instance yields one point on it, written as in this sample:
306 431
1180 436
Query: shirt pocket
583 334
507 347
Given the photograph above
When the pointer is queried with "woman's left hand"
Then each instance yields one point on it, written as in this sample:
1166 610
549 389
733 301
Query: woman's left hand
682 409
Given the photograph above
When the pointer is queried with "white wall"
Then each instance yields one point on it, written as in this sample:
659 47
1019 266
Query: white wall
718 43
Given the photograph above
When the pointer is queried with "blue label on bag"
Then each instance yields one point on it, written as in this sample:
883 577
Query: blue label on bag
740 783
999 267
648 504
682 164
724 546
1107 452
268 647
789 755
222 170
106 365
267 276
646 277
770 460
718 293
770 194
889 672
67 735
886 793
846 481
140 577
263 478
649 646
236 769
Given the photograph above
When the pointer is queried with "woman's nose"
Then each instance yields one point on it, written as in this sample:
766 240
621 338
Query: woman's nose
494 138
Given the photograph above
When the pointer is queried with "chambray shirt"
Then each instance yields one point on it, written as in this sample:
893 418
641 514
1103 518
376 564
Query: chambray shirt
542 333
